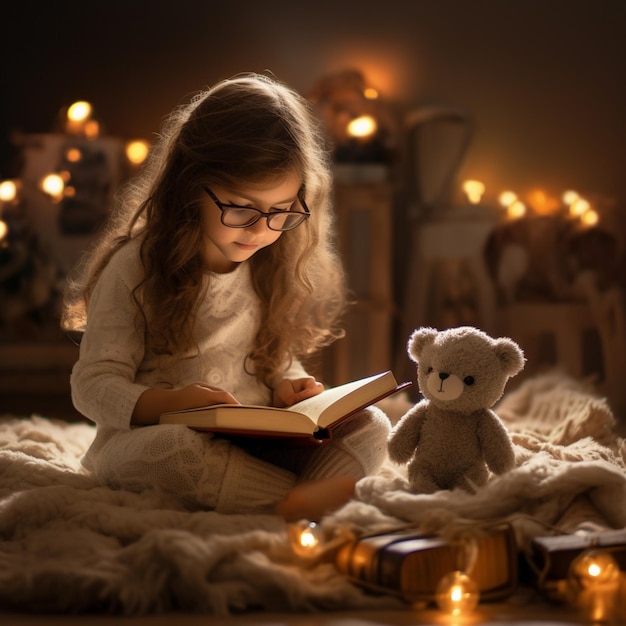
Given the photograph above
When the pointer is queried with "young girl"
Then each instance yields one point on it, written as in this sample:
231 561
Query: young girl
215 278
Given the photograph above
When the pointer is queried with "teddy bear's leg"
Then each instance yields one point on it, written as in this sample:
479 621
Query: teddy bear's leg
421 480
476 477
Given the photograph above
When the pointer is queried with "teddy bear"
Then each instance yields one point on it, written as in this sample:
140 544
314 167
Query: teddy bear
452 438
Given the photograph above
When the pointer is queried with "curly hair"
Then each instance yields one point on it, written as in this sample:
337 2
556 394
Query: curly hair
246 129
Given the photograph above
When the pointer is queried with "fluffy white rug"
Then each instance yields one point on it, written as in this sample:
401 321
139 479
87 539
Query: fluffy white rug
70 545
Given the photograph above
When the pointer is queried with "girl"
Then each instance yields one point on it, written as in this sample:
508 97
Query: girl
215 278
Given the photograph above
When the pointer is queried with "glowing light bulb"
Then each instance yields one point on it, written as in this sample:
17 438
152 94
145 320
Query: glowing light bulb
53 185
137 151
516 210
457 594
593 568
507 198
8 191
363 126
79 111
570 196
79 120
593 584
542 203
474 190
92 129
590 218
73 155
578 207
306 538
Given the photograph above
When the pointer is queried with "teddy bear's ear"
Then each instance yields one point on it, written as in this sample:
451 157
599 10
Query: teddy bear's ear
420 338
510 355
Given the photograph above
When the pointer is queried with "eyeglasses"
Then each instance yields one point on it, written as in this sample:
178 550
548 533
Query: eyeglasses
236 216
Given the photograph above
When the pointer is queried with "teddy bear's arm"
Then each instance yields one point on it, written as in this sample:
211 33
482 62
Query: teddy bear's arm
496 443
404 437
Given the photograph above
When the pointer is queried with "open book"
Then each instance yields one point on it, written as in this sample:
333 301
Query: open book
313 418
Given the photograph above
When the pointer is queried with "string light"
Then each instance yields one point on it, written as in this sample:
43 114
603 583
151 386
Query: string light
78 120
474 190
516 209
53 185
137 151
306 538
362 126
507 198
592 583
570 196
457 594
579 207
8 191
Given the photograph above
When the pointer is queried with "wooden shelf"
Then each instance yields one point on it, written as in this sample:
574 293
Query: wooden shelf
364 227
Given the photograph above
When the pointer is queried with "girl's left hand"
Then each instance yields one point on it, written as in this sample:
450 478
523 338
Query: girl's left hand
289 391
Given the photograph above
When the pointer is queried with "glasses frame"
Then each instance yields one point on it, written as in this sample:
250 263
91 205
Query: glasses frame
223 207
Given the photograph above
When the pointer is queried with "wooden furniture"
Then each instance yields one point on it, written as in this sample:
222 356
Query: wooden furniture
35 378
364 222
449 280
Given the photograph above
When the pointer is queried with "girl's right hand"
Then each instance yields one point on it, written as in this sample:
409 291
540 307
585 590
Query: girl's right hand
153 402
201 394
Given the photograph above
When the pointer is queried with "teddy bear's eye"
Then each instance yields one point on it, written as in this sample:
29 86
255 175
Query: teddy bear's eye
468 380
429 370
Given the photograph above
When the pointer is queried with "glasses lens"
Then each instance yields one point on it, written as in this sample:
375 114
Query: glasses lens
285 221
239 217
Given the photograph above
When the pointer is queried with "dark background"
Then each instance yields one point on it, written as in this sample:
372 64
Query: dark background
544 79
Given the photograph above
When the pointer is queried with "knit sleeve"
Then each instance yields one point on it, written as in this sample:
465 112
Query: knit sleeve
103 379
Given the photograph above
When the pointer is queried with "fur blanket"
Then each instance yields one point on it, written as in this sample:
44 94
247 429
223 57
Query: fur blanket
71 545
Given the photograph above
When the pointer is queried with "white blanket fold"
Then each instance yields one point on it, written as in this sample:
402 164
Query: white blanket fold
70 545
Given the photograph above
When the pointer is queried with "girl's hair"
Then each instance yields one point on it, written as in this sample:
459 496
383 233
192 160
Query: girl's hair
250 128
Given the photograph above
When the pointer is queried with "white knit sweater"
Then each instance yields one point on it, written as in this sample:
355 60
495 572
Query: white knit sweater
116 366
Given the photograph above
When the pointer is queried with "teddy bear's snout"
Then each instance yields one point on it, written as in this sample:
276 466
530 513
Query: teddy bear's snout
445 386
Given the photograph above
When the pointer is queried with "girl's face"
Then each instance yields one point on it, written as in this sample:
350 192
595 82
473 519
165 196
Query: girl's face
224 246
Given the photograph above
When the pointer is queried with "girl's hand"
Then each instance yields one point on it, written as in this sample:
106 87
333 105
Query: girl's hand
153 402
201 394
289 391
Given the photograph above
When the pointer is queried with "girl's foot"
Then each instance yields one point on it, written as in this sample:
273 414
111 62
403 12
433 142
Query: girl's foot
313 499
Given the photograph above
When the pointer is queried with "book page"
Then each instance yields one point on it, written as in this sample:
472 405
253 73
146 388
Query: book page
335 402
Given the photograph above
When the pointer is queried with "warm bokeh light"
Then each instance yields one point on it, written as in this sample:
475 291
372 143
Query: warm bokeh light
363 126
137 151
92 129
516 210
4 229
507 198
592 568
53 185
570 196
79 120
590 218
370 93
79 111
457 594
542 203
578 207
8 191
73 155
474 190
305 538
